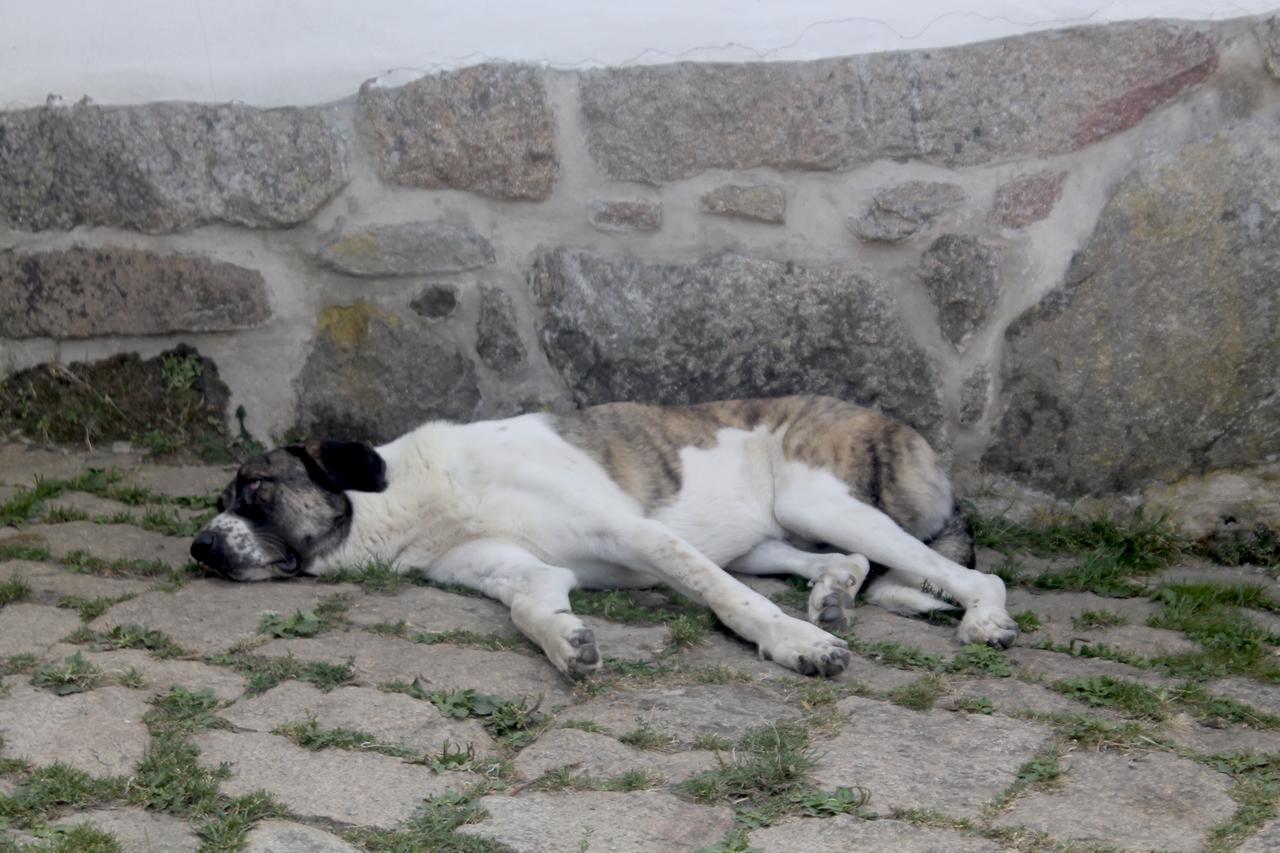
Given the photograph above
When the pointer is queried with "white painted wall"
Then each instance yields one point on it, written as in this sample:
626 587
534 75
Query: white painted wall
273 52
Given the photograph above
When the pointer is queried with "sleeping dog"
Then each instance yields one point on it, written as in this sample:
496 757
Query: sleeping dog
622 496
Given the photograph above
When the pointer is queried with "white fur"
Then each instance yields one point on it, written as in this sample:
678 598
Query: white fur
512 509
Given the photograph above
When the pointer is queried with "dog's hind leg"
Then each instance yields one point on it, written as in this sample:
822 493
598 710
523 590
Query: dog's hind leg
834 578
817 506
537 593
652 547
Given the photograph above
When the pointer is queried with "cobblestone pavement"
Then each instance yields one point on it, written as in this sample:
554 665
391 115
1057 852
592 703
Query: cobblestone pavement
147 707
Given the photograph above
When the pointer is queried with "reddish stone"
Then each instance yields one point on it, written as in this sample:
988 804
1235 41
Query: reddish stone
1027 199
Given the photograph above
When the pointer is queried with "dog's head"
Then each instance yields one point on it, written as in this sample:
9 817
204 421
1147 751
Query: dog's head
287 508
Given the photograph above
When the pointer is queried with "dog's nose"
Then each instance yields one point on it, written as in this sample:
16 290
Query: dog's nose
202 547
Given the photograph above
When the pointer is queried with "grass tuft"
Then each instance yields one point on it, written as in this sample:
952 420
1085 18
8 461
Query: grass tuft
73 675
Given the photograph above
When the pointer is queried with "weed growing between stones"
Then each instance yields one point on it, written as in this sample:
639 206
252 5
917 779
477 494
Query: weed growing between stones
1040 773
91 608
660 607
564 779
298 625
1028 622
1097 619
16 549
766 780
513 723
128 636
1257 790
897 655
265 672
374 576
432 829
1113 552
15 589
1101 691
76 838
389 629
1100 735
171 779
44 792
645 736
919 695
18 664
1210 614
29 503
73 675
308 735
712 742
471 639
1145 703
976 705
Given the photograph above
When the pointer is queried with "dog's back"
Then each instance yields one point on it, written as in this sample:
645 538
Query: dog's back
884 462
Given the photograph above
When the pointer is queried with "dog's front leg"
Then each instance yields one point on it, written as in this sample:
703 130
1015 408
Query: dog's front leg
652 547
537 593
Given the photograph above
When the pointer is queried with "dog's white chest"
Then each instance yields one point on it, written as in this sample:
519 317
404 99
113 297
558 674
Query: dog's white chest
725 504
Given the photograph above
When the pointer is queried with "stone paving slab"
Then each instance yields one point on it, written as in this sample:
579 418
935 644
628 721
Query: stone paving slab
936 760
601 822
377 659
1198 572
177 481
1053 666
138 829
1149 800
850 833
340 785
602 757
1266 841
1058 608
683 713
425 609
645 643
873 624
721 650
96 507
1264 697
160 675
393 718
876 676
100 732
283 836
109 542
1010 696
50 582
210 616
21 464
33 628
1185 732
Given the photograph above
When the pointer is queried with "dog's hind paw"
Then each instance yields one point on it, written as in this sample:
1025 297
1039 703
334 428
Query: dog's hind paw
989 625
580 655
832 599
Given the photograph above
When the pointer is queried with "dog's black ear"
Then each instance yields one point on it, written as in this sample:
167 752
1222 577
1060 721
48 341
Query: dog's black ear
347 465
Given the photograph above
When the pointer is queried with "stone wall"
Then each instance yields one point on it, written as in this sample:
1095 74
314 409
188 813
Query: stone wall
1057 255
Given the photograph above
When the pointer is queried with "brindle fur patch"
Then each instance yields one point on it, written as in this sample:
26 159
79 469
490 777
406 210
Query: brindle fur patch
885 463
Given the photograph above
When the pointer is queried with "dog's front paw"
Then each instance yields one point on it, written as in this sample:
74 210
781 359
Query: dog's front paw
808 650
989 625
